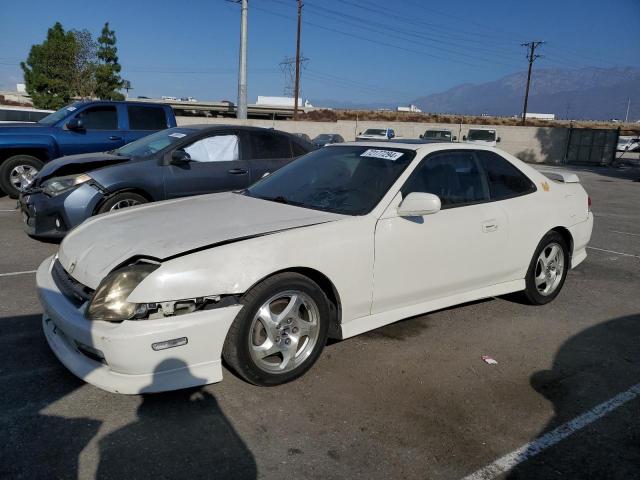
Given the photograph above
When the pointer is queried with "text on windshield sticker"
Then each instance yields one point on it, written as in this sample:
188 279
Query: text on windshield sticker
384 154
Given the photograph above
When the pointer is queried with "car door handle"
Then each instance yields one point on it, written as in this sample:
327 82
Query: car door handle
115 137
489 226
238 171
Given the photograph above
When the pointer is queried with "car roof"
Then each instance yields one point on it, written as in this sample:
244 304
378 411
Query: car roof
411 144
218 127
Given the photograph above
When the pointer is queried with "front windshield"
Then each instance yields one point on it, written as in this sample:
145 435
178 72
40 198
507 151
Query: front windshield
375 131
484 135
55 117
350 180
437 134
153 143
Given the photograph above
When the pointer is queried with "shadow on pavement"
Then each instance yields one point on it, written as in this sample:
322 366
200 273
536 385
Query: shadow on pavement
181 434
35 444
589 369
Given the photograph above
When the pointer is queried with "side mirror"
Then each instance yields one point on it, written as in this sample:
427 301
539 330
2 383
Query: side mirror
417 204
180 157
464 138
359 133
498 140
421 136
75 124
454 138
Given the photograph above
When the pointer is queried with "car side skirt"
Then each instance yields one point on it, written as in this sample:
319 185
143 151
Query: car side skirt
371 322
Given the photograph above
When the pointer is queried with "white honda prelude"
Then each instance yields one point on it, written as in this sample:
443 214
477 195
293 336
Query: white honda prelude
343 240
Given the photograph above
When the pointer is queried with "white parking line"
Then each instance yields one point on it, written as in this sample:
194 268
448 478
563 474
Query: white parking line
612 251
11 274
626 233
531 449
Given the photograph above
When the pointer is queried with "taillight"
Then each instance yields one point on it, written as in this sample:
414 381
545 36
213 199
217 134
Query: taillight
588 203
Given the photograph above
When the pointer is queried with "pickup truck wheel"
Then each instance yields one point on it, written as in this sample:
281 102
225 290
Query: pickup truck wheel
280 331
17 173
122 200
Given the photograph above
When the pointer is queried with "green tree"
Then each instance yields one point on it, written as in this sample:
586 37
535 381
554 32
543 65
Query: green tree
49 69
108 80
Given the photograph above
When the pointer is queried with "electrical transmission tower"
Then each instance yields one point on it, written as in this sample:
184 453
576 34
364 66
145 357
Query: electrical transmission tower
531 56
288 67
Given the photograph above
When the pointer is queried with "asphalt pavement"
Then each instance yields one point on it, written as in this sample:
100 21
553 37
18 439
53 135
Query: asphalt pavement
410 400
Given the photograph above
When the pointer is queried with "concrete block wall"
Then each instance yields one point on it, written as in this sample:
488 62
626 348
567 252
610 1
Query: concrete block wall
531 144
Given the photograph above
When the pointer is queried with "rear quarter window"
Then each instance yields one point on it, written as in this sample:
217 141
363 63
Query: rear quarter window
505 180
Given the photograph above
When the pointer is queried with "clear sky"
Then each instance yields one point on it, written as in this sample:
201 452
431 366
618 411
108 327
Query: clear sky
358 50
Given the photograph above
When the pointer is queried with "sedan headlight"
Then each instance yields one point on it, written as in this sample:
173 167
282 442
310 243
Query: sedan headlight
109 303
58 185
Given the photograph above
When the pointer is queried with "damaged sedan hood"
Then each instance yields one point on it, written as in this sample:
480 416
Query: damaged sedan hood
162 230
81 163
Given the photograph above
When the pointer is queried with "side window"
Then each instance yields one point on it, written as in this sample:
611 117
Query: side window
219 148
99 118
505 180
453 176
269 145
297 149
146 118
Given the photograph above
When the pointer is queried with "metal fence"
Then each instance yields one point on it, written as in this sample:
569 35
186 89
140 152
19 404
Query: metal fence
591 146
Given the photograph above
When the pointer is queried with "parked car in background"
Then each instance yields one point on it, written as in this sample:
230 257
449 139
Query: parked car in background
482 136
172 163
304 136
344 240
439 134
376 134
628 144
77 128
10 113
327 139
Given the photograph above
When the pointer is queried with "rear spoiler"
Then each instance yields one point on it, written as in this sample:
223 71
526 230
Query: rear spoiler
564 177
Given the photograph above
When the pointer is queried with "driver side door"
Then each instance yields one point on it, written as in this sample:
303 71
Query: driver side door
100 131
216 165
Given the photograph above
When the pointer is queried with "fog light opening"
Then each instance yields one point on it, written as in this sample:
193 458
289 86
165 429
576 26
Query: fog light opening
174 342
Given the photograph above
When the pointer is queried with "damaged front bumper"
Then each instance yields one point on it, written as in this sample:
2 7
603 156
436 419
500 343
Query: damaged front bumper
133 357
52 217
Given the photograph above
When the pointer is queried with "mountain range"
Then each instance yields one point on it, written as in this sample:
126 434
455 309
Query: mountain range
586 93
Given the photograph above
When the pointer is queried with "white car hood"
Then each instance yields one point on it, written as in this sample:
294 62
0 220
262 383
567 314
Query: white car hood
162 230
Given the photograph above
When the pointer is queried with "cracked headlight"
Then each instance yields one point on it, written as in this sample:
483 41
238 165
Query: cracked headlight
58 185
109 303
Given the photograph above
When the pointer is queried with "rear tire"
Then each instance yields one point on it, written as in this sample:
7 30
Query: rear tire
547 270
122 200
17 173
280 331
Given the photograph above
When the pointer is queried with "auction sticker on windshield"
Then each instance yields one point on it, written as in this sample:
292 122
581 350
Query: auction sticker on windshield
385 154
178 135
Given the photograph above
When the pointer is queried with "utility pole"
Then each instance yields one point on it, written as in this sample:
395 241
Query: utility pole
626 117
241 112
531 56
297 85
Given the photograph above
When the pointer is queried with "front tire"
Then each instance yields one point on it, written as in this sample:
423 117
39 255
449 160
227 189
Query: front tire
280 331
547 270
17 173
120 201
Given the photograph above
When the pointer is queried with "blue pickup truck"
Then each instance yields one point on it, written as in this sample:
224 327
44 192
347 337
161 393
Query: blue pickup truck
81 127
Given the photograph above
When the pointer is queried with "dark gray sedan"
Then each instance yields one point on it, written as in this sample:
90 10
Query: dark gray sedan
172 163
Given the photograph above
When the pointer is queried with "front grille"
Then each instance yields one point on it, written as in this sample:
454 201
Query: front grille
76 292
